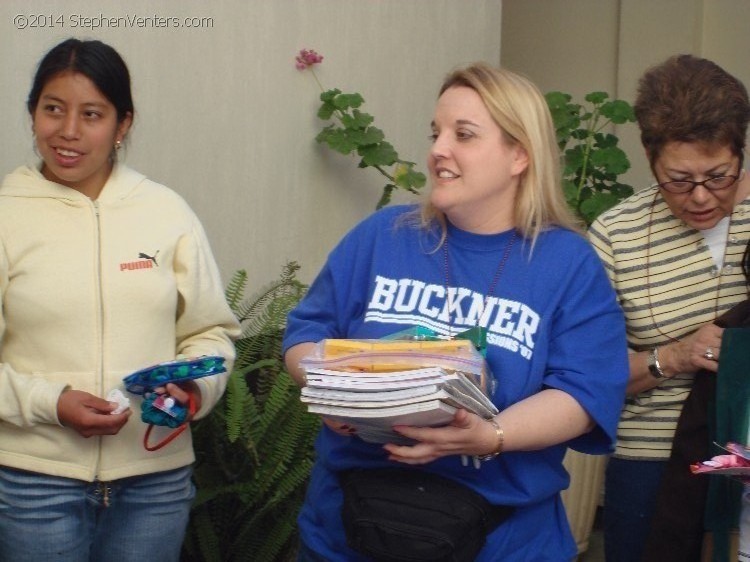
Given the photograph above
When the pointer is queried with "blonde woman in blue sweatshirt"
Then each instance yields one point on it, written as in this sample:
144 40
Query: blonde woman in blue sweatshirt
102 272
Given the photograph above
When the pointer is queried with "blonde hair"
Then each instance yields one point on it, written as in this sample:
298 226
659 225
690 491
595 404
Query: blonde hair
521 112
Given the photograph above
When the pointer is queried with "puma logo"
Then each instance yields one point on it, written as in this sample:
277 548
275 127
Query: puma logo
144 262
145 256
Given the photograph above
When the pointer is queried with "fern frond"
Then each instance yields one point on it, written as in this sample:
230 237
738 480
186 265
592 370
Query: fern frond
251 308
236 288
241 415
277 402
294 480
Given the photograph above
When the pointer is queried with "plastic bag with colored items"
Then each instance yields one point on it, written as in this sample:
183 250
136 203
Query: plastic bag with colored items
163 409
735 464
411 349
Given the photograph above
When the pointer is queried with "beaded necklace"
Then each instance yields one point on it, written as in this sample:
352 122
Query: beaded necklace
490 290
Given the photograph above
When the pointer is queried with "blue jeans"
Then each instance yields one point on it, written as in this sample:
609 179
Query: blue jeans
129 520
630 489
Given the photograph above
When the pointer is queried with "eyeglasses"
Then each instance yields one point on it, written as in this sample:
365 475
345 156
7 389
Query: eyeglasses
715 183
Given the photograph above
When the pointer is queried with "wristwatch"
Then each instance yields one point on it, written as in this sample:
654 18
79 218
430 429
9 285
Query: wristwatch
654 367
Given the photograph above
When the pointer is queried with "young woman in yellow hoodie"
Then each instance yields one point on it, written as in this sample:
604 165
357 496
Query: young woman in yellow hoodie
102 272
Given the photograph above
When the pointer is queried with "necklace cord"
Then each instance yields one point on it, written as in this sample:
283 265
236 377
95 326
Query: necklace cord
490 290
648 276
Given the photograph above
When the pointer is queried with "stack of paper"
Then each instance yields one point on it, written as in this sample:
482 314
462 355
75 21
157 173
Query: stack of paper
374 403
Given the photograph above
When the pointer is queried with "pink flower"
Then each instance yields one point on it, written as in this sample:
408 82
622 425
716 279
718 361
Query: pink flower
307 58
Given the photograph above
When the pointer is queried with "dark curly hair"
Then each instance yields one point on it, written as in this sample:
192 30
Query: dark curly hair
690 99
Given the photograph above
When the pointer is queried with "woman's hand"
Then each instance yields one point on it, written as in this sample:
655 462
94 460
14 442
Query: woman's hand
467 434
88 414
182 392
689 354
546 418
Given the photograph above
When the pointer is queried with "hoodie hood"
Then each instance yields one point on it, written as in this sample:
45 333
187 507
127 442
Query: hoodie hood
28 182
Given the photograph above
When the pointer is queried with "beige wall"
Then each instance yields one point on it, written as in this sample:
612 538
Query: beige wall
224 118
579 46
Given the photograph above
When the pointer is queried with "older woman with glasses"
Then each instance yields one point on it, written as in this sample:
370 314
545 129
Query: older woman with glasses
674 253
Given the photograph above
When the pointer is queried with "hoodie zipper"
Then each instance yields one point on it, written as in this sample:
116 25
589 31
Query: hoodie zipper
100 320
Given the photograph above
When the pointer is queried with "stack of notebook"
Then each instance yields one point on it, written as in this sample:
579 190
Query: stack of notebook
374 401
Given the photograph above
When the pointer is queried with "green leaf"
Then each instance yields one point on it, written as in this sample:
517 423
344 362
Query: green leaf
618 112
337 139
596 205
565 115
570 190
557 99
407 178
328 95
602 140
580 134
612 159
381 154
371 135
621 190
326 111
596 97
347 101
357 120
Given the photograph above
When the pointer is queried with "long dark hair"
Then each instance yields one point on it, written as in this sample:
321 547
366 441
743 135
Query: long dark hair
97 61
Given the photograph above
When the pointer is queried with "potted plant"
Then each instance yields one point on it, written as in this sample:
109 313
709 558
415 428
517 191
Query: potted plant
351 131
254 451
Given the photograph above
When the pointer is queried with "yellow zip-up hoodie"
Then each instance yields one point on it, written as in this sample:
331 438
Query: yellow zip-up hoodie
91 291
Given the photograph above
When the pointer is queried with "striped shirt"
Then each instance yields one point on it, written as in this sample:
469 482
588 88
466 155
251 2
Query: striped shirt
667 283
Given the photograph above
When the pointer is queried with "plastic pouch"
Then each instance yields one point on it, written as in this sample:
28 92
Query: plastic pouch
162 409
382 356
179 370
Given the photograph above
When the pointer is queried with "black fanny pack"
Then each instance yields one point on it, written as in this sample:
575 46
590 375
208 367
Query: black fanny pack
411 515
